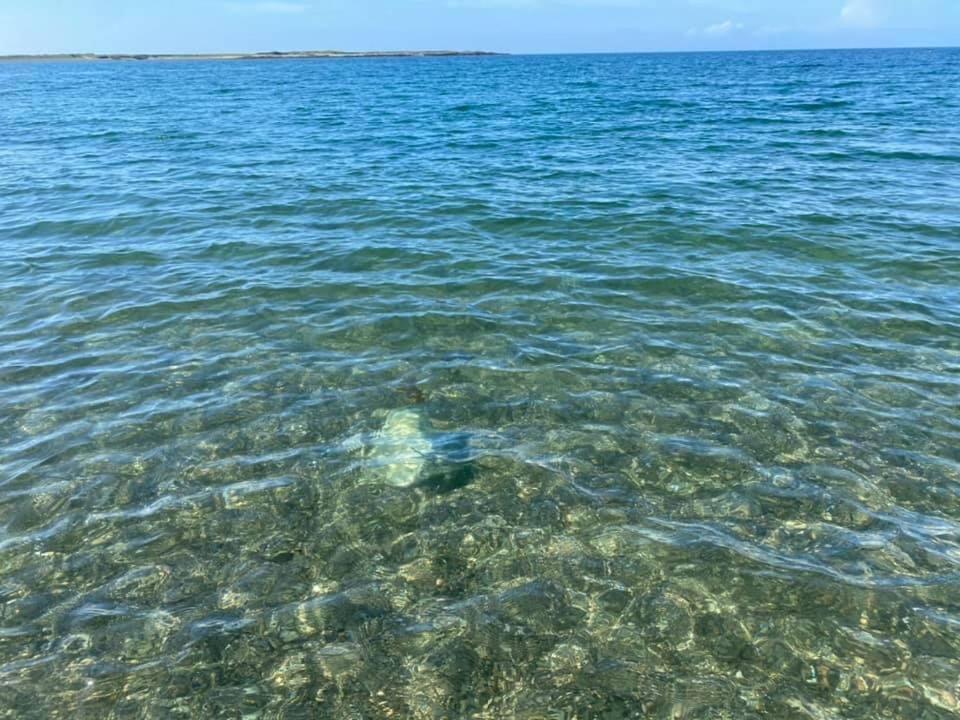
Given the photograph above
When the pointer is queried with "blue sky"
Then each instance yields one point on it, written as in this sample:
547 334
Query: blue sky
49 26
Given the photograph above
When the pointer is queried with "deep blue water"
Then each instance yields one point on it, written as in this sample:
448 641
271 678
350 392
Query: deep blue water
676 339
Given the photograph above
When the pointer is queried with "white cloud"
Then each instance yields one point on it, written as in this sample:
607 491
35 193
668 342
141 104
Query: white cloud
860 13
722 28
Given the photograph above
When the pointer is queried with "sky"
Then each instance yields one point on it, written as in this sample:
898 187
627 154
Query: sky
519 26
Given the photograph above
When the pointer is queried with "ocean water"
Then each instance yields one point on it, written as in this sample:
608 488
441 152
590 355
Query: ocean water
615 386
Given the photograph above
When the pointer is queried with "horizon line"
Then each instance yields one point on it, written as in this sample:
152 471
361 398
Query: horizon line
347 54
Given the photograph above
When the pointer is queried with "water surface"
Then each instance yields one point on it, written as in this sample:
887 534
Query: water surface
695 318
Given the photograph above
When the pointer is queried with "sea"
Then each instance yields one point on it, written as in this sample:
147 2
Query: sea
537 387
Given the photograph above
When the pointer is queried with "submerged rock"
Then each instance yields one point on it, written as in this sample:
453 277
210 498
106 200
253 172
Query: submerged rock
400 449
406 451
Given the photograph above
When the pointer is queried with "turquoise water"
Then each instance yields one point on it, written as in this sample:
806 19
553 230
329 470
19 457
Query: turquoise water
668 347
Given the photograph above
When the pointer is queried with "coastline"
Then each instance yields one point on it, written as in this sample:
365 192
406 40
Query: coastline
293 55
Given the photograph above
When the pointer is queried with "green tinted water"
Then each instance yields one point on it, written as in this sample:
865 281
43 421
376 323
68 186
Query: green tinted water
671 345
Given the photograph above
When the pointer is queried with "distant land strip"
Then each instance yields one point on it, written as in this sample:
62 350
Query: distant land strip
299 54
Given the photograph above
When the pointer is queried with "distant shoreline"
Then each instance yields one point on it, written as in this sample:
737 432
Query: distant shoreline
295 55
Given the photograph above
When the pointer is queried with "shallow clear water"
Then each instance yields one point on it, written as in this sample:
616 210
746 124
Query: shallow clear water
690 322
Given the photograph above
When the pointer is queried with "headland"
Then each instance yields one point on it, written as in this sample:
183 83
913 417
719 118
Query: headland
292 55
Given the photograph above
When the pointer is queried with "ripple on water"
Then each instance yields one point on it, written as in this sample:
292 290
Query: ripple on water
689 324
